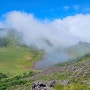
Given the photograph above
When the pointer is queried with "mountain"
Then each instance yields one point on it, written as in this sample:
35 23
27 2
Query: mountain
3 32
72 76
10 37
17 62
79 49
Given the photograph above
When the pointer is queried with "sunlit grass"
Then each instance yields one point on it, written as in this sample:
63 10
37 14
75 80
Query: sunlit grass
16 60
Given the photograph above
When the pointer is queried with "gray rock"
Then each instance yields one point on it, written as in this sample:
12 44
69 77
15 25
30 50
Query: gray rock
48 85
65 82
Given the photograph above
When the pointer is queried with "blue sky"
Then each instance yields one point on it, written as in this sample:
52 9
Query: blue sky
46 8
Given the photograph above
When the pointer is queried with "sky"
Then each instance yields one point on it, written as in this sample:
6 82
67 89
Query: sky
62 22
46 8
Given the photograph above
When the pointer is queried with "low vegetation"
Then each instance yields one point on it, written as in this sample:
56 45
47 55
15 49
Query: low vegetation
17 72
74 86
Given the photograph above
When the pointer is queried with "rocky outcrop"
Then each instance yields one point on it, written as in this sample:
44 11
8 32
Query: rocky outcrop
47 85
43 85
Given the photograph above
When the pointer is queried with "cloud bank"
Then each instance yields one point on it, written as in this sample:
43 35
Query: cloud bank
59 32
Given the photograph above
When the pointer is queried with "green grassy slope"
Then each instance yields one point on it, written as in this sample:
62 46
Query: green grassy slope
15 57
78 74
79 49
16 60
16 68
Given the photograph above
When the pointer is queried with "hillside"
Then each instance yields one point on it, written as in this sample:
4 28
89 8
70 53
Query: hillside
79 49
17 60
17 70
72 76
15 57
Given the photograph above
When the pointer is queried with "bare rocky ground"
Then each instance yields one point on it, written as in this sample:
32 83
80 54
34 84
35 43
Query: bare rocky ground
77 71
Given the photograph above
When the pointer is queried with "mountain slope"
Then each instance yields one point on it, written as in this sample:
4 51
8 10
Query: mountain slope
79 49
77 74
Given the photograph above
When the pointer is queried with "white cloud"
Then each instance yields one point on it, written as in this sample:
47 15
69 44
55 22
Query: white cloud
68 31
79 26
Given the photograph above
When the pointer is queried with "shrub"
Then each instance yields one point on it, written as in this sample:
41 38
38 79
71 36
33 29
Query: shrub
31 73
2 76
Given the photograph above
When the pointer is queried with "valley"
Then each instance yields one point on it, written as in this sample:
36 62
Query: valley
58 69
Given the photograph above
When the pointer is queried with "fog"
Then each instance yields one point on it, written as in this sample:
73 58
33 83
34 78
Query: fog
49 35
36 32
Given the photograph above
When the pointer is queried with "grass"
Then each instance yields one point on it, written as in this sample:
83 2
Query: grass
24 59
55 76
72 87
16 60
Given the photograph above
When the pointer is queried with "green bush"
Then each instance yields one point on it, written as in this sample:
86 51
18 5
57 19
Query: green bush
31 73
2 76
3 42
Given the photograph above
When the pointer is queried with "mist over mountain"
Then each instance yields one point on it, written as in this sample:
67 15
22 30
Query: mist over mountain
79 49
45 45
59 39
3 32
59 32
